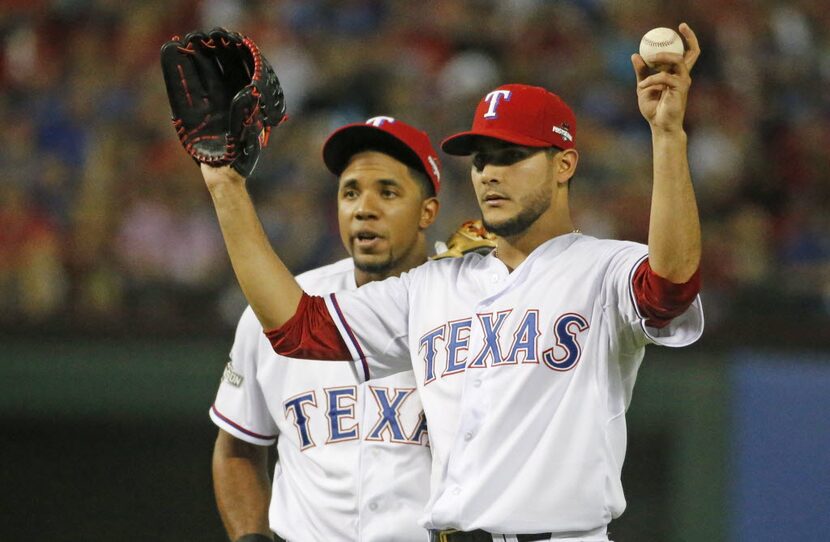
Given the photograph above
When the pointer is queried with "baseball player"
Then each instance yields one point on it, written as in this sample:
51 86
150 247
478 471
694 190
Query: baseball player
525 359
353 455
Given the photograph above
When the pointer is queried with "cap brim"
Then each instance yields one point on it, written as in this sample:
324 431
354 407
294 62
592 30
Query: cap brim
464 144
353 138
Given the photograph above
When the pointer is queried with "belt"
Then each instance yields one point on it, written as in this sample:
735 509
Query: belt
451 535
257 537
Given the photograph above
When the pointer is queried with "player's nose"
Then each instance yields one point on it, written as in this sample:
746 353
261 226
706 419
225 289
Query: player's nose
489 173
367 207
489 177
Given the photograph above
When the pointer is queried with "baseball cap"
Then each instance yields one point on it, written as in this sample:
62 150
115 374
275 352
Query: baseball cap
388 135
521 114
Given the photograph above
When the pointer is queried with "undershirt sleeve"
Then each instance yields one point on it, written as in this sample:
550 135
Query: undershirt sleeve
310 333
368 326
660 300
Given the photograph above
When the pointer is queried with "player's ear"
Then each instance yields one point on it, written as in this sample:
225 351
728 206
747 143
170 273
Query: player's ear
565 165
429 212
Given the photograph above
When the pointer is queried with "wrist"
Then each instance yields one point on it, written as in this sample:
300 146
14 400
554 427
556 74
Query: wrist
659 132
657 129
227 190
216 177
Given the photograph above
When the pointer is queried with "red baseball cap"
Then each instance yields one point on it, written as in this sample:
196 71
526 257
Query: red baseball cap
521 114
384 134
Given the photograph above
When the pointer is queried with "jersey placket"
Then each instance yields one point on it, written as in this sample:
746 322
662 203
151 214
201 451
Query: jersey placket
475 400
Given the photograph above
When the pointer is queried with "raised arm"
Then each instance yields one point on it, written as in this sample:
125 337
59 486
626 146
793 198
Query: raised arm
674 226
268 285
225 98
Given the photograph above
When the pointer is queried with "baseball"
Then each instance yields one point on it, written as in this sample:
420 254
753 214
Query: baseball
660 40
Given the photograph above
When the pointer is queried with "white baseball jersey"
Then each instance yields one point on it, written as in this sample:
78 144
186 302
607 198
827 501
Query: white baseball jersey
525 377
354 457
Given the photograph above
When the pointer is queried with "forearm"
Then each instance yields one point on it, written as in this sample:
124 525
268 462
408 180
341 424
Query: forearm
674 226
241 485
268 285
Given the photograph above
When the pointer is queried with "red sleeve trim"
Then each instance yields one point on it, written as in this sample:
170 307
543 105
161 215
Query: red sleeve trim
660 300
310 333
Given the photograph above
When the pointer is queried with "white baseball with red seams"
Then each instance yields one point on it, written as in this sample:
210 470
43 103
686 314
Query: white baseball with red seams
660 40
525 377
354 458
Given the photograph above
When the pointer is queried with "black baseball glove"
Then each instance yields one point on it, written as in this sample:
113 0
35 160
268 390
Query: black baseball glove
224 95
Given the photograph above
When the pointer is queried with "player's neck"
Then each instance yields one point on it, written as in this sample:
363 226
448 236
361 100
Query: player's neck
415 257
513 250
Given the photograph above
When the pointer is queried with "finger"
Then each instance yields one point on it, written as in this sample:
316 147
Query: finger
693 49
660 79
669 62
641 69
654 91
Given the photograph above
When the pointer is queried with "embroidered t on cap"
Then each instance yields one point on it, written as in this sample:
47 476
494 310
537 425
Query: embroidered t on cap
521 114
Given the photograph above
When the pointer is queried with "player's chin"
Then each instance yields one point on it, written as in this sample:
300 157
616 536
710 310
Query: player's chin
508 227
496 217
372 262
370 253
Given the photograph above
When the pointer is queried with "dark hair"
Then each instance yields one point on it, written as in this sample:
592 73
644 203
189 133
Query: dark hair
423 181
406 156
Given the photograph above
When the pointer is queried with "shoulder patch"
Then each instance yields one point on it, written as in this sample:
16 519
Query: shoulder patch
232 377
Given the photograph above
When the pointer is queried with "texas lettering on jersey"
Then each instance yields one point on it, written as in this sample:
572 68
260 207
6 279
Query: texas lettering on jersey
337 408
500 344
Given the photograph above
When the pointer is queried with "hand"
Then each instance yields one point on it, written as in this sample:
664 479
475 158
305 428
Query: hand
662 96
218 176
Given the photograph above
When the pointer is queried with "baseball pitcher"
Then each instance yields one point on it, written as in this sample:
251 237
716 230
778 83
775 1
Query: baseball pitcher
525 359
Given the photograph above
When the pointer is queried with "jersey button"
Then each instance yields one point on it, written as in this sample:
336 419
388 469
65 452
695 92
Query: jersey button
477 383
373 506
468 436
456 491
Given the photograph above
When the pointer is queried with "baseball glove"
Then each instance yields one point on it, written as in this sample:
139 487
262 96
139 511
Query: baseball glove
224 95
469 237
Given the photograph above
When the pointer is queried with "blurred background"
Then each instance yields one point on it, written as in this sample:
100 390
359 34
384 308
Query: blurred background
117 301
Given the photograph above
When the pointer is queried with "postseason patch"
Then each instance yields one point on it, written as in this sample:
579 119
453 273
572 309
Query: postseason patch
232 377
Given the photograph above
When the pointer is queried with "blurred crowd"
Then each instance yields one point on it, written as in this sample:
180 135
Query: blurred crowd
106 227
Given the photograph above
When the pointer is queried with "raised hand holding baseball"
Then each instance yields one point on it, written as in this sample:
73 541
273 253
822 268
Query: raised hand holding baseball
662 96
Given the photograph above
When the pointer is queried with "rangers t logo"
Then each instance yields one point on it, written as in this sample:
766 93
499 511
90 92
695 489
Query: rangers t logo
378 121
493 98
